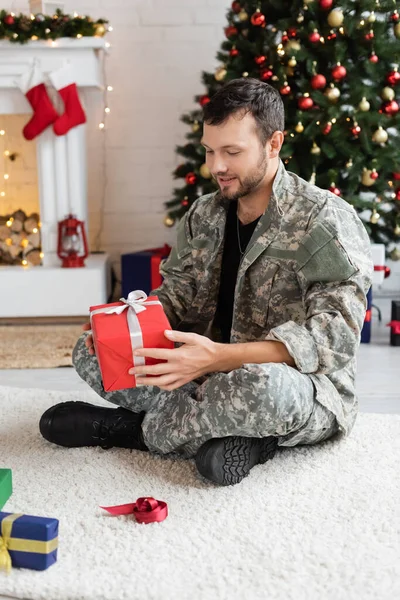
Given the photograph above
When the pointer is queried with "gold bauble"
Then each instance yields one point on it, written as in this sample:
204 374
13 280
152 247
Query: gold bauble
100 30
375 217
349 163
336 17
333 94
397 230
397 30
315 149
300 18
292 45
299 127
308 1
366 177
395 254
364 105
195 126
220 74
380 136
245 74
205 171
292 62
372 18
169 221
243 16
387 94
289 71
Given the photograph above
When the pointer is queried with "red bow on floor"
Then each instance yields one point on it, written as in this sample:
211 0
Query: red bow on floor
146 510
395 325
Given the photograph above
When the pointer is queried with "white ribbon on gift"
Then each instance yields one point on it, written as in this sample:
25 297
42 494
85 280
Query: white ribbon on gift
135 303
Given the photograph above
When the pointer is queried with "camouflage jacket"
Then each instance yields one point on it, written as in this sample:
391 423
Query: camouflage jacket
302 281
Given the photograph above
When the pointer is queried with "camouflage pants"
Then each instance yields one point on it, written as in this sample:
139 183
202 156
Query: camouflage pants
253 401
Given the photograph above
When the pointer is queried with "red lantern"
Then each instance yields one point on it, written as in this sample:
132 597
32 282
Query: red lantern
338 72
72 246
305 103
318 82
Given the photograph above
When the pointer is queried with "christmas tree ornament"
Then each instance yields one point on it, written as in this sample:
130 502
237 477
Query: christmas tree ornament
185 201
290 71
316 150
334 189
285 37
373 58
299 127
356 129
260 60
333 94
364 105
396 230
204 100
9 20
369 36
314 36
396 176
331 35
374 174
292 32
266 74
285 89
393 78
349 163
293 46
220 73
236 7
243 16
169 221
327 129
190 178
306 2
398 194
380 136
325 4
366 178
258 19
305 102
375 216
100 30
195 127
395 16
205 171
245 74
397 30
318 82
395 254
336 17
233 52
300 18
230 31
371 18
292 62
391 108
338 72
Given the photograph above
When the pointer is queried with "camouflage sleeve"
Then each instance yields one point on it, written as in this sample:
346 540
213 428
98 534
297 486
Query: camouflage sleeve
178 288
335 273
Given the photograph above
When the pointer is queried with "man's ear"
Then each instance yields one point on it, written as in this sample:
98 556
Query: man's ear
275 144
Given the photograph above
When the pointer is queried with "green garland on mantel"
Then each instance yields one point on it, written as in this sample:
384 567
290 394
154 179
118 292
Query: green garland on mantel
22 28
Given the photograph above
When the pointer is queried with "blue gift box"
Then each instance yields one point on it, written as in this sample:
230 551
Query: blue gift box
30 542
366 330
141 270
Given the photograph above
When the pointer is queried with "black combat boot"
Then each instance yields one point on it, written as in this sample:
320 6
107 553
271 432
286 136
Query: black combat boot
75 424
228 460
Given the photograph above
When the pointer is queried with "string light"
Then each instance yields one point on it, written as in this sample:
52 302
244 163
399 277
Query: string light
2 194
2 132
107 110
7 153
24 262
6 176
110 88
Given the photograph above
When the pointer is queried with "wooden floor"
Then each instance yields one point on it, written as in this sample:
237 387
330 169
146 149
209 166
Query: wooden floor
378 374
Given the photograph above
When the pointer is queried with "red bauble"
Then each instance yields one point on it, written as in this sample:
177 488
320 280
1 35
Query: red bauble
387 272
393 77
260 60
292 32
396 176
339 72
327 129
233 52
230 31
326 4
356 130
204 100
305 103
391 108
266 74
191 178
285 90
9 20
374 175
258 19
370 36
373 58
236 7
318 82
185 202
332 36
335 190
314 37
285 38
398 194
395 17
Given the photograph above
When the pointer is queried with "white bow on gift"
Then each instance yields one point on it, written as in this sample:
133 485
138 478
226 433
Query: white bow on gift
135 303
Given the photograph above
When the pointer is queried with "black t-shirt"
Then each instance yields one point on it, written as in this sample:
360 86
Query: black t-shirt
230 265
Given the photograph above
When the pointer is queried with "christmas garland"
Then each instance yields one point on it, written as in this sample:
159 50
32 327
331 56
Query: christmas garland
22 28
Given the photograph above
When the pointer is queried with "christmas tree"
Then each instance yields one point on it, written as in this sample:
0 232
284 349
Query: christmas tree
336 65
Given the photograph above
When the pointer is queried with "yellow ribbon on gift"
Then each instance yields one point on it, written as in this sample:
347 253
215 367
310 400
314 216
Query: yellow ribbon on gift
8 543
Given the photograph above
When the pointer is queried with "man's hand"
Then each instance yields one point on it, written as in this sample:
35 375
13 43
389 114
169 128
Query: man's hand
89 340
196 357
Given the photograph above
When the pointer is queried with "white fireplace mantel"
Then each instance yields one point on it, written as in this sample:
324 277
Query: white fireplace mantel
62 179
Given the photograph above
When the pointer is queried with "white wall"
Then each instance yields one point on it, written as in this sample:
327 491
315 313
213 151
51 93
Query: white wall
159 48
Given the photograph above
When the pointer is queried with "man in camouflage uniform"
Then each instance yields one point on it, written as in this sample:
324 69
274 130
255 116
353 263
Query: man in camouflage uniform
286 375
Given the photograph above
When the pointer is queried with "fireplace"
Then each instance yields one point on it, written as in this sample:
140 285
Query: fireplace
40 287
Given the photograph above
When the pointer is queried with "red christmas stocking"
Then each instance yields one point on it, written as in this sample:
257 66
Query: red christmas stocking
44 114
74 115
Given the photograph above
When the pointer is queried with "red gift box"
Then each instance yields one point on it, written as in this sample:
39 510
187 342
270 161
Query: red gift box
121 327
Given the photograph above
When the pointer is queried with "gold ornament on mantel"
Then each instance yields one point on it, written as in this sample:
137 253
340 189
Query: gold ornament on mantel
169 221
205 171
380 136
336 17
220 73
366 177
364 105
100 30
387 94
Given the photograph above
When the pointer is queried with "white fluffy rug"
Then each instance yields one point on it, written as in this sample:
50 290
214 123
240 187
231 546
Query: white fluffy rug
315 523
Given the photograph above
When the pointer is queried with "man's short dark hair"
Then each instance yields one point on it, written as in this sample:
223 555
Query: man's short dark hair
248 95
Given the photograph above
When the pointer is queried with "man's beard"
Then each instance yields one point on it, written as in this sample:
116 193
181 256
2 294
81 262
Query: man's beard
249 183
